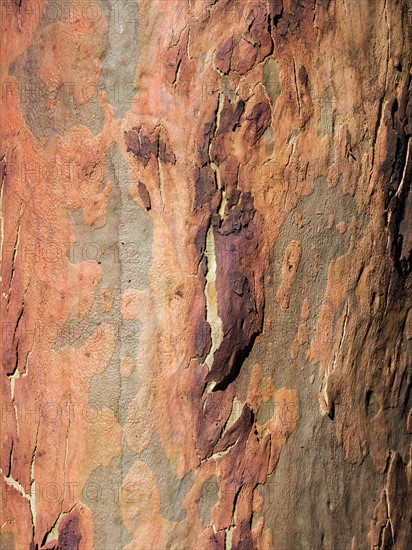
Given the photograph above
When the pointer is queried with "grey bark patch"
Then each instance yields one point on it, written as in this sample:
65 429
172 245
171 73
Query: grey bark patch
117 79
208 498
326 118
172 490
109 390
317 242
311 462
42 121
7 541
102 494
129 231
271 80
339 511
265 411
269 139
123 249
121 54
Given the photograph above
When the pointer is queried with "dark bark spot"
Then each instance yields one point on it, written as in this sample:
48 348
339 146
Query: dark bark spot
276 9
208 131
210 423
288 22
203 267
233 198
224 56
200 241
165 153
238 432
143 145
230 117
397 177
303 76
238 214
260 119
240 320
203 341
204 186
144 195
69 534
140 145
371 404
237 281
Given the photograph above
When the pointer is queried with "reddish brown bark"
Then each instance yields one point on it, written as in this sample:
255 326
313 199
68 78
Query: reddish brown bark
206 303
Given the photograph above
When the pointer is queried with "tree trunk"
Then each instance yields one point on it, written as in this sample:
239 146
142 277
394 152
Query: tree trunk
206 303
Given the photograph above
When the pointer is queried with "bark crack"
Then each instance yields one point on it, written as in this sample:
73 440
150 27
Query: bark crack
296 85
13 262
382 98
3 160
212 314
53 532
32 498
177 73
161 181
330 369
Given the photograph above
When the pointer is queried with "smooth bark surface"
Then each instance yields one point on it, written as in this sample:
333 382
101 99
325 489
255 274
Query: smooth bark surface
206 274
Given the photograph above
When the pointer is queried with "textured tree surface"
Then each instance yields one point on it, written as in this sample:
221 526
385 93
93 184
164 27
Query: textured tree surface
206 278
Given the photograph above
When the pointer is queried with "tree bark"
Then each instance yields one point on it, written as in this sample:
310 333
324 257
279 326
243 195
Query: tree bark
206 274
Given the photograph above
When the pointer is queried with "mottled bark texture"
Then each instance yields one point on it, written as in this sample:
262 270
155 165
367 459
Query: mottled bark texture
206 303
